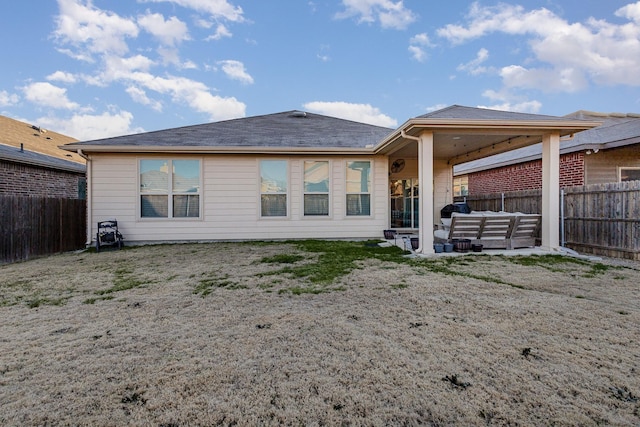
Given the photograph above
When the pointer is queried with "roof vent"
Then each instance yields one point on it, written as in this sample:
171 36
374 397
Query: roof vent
298 114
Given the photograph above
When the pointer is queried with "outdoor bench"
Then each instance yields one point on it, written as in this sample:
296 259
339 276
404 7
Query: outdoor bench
492 230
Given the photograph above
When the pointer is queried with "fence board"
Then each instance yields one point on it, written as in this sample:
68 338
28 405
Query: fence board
37 226
602 219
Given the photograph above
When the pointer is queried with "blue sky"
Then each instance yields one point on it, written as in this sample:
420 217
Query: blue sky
93 69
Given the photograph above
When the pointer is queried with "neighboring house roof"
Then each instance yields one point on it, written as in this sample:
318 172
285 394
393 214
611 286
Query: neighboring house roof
16 155
291 130
616 130
18 134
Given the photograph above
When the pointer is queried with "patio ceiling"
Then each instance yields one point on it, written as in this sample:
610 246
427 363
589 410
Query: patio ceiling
459 141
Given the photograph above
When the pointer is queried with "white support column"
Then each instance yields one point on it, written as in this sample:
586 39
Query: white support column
425 178
551 191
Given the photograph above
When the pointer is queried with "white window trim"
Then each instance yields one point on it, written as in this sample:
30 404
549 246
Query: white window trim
287 193
620 168
170 193
329 193
460 179
371 192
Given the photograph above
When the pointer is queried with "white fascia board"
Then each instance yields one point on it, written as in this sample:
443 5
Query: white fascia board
218 150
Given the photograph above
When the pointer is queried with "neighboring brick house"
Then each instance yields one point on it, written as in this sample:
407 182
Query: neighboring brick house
607 153
31 164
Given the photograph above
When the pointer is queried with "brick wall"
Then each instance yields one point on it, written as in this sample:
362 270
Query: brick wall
25 180
526 176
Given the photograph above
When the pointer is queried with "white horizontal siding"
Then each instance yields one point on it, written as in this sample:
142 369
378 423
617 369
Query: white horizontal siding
231 202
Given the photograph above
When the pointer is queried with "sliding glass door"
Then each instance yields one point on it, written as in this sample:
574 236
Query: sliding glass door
405 203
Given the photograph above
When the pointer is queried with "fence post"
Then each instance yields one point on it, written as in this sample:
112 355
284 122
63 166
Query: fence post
502 203
562 241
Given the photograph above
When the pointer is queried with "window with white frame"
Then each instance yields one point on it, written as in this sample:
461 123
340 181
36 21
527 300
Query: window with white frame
273 188
169 188
316 188
358 188
629 174
460 186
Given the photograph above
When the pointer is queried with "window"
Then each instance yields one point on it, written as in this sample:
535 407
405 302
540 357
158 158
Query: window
273 188
169 195
358 188
629 174
316 188
461 186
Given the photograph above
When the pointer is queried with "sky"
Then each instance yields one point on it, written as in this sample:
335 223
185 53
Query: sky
101 68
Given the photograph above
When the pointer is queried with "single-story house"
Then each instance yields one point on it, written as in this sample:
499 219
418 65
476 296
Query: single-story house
32 164
296 175
605 154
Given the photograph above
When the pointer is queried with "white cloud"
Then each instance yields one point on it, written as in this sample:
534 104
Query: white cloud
421 39
45 94
221 32
363 113
119 68
417 44
140 96
630 11
418 53
548 80
91 30
170 32
505 101
61 76
192 93
218 9
235 71
532 107
436 107
87 33
7 99
474 66
576 53
87 127
390 14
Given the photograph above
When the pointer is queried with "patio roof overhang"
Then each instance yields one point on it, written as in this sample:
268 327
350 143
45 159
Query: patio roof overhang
462 140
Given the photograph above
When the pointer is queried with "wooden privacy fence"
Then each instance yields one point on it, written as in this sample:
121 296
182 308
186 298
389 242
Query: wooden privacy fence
601 219
604 219
36 226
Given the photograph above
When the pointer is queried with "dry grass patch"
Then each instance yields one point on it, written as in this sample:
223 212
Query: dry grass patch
317 333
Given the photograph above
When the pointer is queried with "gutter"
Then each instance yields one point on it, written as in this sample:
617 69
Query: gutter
218 150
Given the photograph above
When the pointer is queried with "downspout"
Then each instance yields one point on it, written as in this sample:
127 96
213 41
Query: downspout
404 135
417 139
89 199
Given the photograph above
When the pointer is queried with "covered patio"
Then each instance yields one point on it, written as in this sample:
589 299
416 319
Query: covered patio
433 143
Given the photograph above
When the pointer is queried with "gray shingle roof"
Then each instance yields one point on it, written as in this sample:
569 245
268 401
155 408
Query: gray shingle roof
472 113
615 131
293 129
14 154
